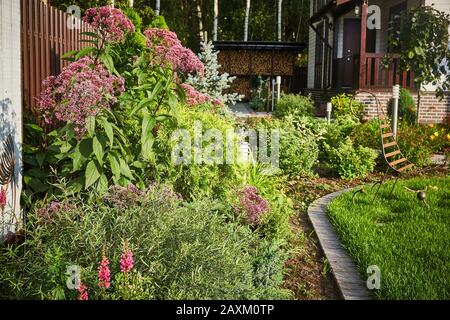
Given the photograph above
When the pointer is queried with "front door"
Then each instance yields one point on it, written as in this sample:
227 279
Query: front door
351 48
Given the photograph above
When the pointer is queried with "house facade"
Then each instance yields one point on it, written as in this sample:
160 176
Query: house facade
347 42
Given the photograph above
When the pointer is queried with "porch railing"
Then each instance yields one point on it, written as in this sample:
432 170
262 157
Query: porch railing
377 76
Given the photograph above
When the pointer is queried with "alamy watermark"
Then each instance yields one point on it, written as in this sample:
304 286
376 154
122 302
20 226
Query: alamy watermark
374 280
215 147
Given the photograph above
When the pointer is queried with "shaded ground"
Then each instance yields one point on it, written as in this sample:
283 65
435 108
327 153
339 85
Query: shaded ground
308 274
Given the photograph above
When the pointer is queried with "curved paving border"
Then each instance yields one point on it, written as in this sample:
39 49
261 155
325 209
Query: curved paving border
349 280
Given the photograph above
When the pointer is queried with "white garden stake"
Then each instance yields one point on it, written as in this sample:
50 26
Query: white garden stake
329 109
278 88
273 95
396 97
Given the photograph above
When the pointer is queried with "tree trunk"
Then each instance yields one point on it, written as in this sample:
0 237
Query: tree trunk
247 16
297 36
280 10
200 20
131 3
158 7
216 19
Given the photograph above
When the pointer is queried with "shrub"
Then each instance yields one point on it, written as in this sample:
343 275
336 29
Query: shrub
351 162
181 251
298 148
341 106
419 142
407 108
294 104
367 134
258 103
192 179
338 130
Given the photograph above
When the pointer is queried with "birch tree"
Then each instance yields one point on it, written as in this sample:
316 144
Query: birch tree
280 11
247 16
158 7
216 19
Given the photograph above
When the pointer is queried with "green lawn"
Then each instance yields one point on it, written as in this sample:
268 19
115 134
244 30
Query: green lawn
408 241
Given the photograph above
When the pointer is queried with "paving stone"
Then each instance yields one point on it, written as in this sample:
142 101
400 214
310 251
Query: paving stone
349 280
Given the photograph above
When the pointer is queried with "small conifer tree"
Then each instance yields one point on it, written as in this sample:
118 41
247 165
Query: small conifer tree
213 83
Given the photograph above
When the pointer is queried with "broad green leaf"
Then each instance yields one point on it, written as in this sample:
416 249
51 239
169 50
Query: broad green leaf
92 174
172 101
102 186
40 157
147 138
125 169
109 130
77 160
90 125
151 96
70 55
98 149
84 52
38 186
115 165
86 148
109 63
34 127
90 34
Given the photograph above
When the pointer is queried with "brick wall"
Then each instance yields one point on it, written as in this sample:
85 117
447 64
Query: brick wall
431 109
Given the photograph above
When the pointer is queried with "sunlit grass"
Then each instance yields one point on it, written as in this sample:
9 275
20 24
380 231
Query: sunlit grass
409 240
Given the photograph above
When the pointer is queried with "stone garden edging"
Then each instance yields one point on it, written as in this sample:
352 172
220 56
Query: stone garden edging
348 279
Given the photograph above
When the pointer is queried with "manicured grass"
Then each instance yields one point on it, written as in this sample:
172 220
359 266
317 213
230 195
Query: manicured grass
407 240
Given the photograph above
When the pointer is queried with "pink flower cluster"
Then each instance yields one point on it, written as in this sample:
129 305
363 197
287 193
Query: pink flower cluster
83 293
81 90
126 260
104 274
123 197
110 22
193 96
169 52
49 211
2 199
252 205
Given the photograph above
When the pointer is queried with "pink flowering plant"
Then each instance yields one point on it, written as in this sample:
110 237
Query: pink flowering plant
251 206
81 90
121 281
169 52
107 106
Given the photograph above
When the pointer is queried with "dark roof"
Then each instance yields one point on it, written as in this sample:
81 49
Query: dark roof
259 45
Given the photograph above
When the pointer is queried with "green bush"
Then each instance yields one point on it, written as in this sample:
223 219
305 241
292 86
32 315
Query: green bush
258 103
330 135
341 106
367 134
181 251
192 179
298 148
407 109
351 162
294 104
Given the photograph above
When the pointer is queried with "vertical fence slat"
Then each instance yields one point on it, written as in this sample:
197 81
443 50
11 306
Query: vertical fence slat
45 39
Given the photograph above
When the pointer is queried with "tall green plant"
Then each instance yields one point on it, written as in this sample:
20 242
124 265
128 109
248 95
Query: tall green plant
421 37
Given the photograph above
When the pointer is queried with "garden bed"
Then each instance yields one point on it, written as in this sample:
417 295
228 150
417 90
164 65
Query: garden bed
406 238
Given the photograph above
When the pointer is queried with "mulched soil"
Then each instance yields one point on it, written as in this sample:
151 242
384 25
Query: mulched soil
308 276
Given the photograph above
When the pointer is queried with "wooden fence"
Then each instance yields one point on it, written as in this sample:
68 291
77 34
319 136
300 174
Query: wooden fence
46 37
